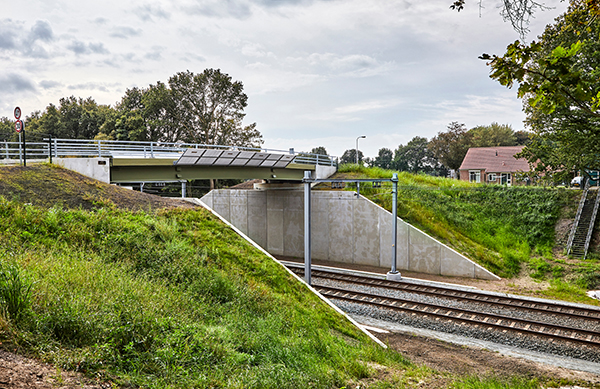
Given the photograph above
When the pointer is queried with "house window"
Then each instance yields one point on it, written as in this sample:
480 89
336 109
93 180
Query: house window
505 179
475 176
491 177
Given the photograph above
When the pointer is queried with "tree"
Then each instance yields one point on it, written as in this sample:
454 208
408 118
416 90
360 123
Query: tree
349 156
522 137
492 136
319 150
7 129
209 108
384 158
450 147
558 79
416 157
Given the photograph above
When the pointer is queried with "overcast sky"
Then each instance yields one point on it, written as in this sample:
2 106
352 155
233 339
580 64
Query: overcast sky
316 72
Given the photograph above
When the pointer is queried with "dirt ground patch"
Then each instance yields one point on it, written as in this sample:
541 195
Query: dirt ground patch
466 361
17 372
49 186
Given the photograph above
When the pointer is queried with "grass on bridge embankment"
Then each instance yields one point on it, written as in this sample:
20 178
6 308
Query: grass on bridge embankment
172 299
508 230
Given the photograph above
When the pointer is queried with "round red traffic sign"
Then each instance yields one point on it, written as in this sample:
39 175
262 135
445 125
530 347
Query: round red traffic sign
17 113
19 125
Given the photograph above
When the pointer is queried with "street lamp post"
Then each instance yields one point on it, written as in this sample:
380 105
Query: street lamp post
362 136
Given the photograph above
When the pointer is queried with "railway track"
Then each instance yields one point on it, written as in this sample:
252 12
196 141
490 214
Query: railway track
482 312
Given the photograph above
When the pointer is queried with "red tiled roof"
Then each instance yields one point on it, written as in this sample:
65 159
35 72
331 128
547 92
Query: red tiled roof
495 159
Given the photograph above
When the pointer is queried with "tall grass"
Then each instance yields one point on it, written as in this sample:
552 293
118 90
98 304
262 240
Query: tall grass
500 227
174 299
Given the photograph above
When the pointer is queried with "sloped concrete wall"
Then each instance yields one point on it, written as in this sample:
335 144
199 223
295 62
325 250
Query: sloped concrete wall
344 229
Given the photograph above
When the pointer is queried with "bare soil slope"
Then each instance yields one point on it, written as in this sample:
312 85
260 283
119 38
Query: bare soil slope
48 186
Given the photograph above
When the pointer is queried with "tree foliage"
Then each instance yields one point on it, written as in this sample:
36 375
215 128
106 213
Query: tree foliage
416 157
384 158
450 147
210 108
194 108
559 81
492 136
349 156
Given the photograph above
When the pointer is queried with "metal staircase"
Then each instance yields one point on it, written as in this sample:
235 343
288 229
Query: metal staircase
583 226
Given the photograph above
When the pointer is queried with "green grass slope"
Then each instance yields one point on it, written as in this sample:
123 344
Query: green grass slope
508 230
171 298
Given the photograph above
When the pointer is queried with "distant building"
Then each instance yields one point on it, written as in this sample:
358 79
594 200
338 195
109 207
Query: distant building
493 165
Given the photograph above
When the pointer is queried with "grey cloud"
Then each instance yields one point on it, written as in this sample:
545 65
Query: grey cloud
149 12
221 8
42 31
7 34
88 86
154 56
98 48
100 20
239 9
125 32
80 48
13 82
49 84
277 3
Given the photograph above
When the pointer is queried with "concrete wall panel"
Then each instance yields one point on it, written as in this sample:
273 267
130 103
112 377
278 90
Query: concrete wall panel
275 222
208 199
366 233
320 227
341 234
257 217
239 209
453 265
424 253
221 203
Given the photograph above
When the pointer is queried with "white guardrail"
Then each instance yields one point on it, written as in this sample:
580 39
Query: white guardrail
58 148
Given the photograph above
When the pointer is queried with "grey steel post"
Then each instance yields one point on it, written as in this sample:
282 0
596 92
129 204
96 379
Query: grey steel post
394 274
307 253
20 149
50 148
183 189
100 148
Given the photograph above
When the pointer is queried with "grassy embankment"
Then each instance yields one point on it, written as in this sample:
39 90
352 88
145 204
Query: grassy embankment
508 230
172 298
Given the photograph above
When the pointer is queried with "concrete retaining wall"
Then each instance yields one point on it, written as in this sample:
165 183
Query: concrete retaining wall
344 229
96 168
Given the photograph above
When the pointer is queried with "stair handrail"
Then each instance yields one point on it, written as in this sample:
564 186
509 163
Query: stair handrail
577 217
588 238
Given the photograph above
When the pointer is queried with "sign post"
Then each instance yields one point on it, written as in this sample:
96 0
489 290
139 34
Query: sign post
20 128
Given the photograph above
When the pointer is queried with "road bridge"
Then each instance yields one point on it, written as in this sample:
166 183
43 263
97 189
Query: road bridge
138 162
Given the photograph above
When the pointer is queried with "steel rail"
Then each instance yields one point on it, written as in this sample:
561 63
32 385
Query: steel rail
390 303
477 297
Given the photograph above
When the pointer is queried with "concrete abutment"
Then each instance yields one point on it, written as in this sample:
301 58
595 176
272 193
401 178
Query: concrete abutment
345 228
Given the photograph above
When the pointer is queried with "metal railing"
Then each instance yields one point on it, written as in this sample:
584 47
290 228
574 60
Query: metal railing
577 217
58 148
588 237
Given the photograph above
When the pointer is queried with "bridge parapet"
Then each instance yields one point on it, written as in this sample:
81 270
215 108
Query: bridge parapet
60 148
